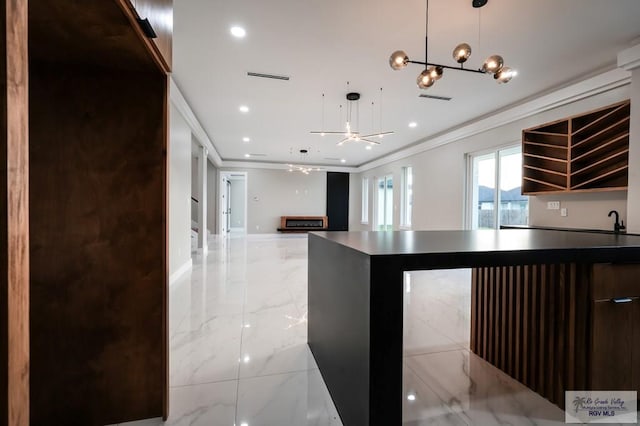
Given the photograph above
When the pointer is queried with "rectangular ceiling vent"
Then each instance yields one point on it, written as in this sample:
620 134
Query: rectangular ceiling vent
440 98
272 76
258 155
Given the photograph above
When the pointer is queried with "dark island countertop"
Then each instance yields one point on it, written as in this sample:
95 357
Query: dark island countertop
475 248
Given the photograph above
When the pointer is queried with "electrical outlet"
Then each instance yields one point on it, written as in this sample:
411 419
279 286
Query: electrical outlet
553 205
563 212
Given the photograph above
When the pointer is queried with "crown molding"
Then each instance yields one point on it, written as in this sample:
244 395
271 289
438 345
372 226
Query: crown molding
588 87
629 59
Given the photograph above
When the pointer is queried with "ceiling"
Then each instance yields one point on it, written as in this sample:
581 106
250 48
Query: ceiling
323 44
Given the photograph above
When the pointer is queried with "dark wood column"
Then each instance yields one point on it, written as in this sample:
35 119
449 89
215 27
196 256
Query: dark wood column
14 216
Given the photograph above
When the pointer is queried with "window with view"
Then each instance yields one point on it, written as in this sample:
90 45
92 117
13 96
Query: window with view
365 201
495 190
406 197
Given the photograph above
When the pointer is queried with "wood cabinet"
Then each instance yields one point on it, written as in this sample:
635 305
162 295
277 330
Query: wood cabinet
83 293
615 325
160 16
586 152
559 327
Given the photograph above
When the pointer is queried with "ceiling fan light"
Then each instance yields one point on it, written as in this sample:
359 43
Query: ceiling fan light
504 75
493 64
424 80
436 73
461 53
398 60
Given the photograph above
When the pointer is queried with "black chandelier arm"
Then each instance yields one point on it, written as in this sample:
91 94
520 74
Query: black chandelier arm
426 64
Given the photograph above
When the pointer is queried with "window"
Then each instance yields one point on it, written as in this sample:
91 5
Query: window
495 190
384 201
365 201
407 197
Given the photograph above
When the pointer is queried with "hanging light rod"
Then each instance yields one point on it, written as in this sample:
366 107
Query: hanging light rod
494 64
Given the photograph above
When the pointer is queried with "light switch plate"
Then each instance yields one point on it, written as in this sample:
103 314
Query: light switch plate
563 212
553 205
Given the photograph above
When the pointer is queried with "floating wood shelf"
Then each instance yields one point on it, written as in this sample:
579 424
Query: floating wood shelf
586 152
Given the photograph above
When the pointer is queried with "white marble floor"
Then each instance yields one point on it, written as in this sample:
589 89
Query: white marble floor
238 324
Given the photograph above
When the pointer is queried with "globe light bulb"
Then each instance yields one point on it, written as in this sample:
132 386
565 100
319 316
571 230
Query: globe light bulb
461 53
436 73
424 80
398 60
493 64
504 75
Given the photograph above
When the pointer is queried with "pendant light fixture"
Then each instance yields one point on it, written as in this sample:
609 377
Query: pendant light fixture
494 65
351 132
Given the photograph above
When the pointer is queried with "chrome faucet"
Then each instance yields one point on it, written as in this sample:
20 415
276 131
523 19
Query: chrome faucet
618 226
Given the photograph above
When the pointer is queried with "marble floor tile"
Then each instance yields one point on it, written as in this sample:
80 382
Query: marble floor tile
208 354
480 393
275 342
212 404
239 354
421 405
286 399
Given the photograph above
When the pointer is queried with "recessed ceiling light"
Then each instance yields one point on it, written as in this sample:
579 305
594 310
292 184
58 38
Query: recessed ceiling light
246 139
413 124
244 108
247 155
411 397
238 32
343 161
368 148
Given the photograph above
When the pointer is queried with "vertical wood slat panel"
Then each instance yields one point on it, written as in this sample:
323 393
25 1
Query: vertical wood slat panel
496 318
511 349
518 332
16 211
485 316
473 338
535 319
503 318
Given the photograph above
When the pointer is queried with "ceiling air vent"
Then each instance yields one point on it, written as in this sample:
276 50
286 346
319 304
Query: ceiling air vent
440 98
272 76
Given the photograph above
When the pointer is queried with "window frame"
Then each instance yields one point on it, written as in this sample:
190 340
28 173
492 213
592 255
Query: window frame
469 190
406 197
364 205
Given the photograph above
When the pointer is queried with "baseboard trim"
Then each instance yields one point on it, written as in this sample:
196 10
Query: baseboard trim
181 270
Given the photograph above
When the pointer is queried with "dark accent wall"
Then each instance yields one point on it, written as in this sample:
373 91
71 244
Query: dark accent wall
338 201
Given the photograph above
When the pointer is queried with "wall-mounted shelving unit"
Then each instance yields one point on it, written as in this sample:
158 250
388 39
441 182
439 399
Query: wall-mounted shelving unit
586 152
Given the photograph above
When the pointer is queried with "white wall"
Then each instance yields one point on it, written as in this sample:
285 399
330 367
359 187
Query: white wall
439 178
179 192
275 193
212 197
238 202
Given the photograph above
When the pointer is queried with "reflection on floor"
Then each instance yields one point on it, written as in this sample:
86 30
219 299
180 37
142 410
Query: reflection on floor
239 354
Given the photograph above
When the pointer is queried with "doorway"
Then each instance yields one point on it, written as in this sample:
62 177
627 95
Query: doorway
233 203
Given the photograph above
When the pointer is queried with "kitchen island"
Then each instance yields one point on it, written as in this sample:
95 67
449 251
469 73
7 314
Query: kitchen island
525 283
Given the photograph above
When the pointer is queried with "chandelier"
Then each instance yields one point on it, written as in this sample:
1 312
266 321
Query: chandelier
303 169
493 65
350 132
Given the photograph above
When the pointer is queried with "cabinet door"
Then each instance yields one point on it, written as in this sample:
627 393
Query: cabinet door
160 15
614 345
